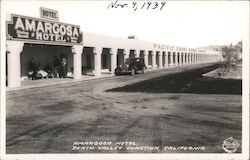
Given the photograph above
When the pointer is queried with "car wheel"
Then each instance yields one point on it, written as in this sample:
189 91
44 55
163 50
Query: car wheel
132 71
143 70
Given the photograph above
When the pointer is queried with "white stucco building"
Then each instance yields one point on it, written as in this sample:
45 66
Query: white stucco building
42 38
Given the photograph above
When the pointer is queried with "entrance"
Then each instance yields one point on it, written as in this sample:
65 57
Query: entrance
106 59
46 60
87 61
120 57
150 60
132 54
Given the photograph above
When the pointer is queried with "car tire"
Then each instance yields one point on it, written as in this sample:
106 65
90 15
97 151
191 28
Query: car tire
143 70
132 71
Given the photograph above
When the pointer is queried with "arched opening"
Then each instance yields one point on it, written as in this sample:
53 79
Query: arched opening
87 61
150 60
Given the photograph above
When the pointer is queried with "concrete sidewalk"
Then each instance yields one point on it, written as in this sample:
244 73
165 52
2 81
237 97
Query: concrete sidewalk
27 84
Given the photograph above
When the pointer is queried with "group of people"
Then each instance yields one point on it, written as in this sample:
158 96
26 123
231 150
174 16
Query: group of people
58 70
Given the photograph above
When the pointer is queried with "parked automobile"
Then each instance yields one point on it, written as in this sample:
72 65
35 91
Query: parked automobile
132 66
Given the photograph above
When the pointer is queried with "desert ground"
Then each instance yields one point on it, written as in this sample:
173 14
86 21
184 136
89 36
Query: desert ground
175 110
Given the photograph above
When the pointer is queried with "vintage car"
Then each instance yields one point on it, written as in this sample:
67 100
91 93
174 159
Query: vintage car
132 66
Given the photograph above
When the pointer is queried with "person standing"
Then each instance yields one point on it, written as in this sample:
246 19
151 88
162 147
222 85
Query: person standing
63 67
56 65
32 69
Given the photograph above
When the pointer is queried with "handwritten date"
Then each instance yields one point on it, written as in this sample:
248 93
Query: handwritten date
136 5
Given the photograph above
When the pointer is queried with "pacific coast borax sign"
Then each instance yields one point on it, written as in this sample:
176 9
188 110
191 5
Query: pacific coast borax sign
39 30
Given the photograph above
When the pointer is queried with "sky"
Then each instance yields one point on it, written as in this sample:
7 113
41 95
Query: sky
183 23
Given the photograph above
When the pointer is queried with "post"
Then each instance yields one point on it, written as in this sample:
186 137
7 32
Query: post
171 59
77 61
176 59
137 53
113 53
145 58
14 49
97 54
160 59
181 59
166 59
126 53
153 59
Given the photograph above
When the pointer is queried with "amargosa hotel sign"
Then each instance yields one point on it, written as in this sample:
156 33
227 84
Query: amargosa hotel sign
39 30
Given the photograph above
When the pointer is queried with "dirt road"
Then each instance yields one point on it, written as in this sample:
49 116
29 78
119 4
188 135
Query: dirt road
126 114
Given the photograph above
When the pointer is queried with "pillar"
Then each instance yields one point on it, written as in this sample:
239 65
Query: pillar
14 49
126 53
185 59
137 53
153 59
191 58
166 59
181 59
171 59
97 54
145 54
194 58
77 61
188 58
176 59
113 53
160 59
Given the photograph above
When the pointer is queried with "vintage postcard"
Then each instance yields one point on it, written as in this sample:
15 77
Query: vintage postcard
124 79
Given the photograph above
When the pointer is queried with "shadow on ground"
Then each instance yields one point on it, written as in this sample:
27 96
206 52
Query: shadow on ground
190 81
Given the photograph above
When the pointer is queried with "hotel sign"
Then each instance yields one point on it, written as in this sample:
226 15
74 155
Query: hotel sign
49 14
42 31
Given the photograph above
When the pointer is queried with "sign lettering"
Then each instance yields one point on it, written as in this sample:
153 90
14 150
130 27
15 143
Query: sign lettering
49 14
27 28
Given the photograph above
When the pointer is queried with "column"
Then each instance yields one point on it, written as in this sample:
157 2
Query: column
113 53
191 62
97 56
14 49
153 59
184 59
166 59
194 58
181 59
176 59
126 53
171 59
137 53
145 54
160 59
77 61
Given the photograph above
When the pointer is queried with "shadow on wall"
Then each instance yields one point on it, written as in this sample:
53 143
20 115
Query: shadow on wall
186 82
